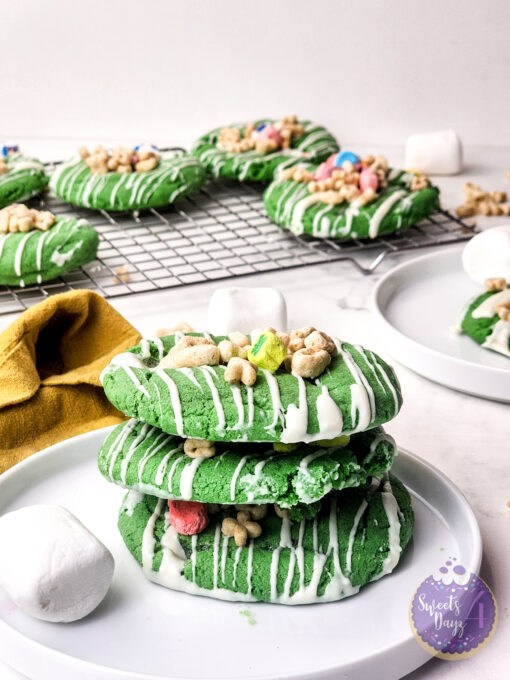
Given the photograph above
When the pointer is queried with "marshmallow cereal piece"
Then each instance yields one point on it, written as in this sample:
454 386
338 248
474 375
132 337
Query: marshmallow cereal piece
242 309
487 255
52 566
434 153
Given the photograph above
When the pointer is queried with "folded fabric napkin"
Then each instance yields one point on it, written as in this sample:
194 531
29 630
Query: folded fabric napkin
50 361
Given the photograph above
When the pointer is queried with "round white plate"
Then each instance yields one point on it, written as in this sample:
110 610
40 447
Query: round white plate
144 631
416 307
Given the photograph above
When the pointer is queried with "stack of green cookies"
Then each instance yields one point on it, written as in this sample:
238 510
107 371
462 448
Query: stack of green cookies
256 466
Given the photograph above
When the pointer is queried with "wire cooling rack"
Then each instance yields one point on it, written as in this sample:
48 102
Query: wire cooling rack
221 232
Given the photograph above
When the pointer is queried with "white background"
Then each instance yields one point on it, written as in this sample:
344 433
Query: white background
167 71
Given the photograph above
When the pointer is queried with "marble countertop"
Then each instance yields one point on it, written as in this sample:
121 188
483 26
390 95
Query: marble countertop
464 436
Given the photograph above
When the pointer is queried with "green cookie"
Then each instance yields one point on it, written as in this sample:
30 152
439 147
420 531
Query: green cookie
292 206
316 144
482 322
138 456
357 537
359 391
26 178
176 175
36 256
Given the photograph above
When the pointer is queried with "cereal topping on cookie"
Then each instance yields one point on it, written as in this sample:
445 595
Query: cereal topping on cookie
17 217
345 177
121 159
264 138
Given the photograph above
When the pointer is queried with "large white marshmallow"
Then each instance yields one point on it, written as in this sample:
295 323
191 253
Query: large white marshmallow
434 153
488 254
242 309
52 567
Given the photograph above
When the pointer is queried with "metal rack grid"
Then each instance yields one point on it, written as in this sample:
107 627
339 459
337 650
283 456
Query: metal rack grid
221 232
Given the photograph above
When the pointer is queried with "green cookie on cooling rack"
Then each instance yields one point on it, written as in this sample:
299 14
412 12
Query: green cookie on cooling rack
20 178
119 180
254 151
347 197
37 256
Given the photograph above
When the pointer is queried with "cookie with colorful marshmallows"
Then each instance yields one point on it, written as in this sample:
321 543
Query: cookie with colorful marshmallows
255 150
348 196
21 177
37 246
244 484
127 178
269 386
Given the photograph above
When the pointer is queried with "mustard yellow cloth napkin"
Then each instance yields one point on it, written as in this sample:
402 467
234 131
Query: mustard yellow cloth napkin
50 361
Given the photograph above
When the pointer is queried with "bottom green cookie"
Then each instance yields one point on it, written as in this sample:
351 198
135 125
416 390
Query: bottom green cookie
357 537
37 256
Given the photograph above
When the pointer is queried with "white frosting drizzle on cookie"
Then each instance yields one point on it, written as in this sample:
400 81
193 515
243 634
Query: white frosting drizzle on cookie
170 573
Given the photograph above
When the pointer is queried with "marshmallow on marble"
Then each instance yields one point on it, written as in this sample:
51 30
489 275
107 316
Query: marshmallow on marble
51 566
487 255
434 153
242 309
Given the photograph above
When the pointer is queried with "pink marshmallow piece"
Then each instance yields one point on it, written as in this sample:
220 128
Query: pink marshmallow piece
368 180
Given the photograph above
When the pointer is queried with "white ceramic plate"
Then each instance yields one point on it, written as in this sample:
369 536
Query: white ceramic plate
144 631
415 309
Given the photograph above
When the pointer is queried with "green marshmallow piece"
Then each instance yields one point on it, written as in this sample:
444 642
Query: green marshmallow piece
268 352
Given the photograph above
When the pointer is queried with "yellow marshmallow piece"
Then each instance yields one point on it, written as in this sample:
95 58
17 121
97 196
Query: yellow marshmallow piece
268 351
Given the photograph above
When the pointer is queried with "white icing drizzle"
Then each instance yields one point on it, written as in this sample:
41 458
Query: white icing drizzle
172 471
251 407
117 445
174 398
235 476
236 562
296 419
391 508
329 415
188 372
352 534
238 400
209 374
145 431
187 477
488 307
135 381
132 499
499 338
274 391
19 252
224 553
217 536
159 442
194 540
383 210
160 472
124 359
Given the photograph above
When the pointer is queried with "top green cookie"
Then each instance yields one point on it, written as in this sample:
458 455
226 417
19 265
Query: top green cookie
482 322
316 144
26 178
176 175
357 392
290 204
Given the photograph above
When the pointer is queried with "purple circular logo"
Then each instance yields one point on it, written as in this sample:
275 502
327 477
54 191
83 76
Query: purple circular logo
453 614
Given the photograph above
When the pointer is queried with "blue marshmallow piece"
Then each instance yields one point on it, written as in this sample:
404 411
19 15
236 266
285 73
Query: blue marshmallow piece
345 156
260 127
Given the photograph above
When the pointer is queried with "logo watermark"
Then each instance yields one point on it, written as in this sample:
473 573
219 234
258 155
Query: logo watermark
453 614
